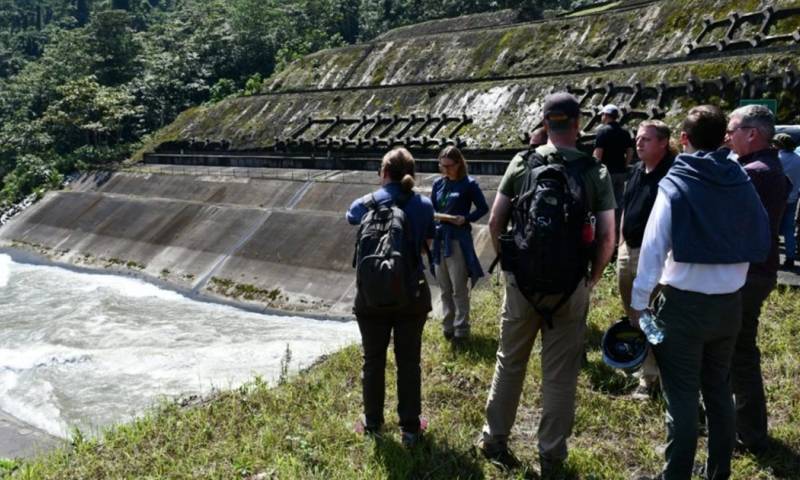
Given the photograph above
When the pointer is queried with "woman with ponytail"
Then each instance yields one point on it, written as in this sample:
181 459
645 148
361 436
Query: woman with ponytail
405 324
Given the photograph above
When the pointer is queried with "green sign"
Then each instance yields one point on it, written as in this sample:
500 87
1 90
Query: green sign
770 103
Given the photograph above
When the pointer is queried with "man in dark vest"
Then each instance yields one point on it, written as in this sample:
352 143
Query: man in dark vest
694 249
750 130
653 149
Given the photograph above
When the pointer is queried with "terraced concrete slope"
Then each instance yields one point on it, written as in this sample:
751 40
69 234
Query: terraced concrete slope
482 88
268 243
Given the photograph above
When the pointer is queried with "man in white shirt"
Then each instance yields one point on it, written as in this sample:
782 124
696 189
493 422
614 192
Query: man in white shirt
693 247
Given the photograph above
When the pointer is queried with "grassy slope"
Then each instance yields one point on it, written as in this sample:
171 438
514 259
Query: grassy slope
303 428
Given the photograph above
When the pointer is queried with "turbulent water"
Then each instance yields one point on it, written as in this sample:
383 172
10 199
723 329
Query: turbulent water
84 350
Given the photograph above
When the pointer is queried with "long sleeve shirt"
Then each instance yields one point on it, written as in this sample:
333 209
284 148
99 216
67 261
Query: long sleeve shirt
656 264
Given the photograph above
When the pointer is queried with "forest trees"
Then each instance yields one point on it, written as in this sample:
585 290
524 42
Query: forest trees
82 81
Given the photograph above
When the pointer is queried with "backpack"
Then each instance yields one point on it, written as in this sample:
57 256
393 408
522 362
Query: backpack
386 267
548 249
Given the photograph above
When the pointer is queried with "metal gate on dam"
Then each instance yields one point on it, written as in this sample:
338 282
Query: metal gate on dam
244 199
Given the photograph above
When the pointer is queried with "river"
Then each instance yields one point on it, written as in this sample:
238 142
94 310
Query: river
81 350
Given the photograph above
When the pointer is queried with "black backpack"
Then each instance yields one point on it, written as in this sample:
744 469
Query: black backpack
547 249
386 268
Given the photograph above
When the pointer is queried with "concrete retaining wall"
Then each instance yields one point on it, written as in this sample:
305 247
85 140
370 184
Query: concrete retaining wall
265 243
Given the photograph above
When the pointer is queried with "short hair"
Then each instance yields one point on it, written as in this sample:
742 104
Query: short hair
784 141
663 132
757 116
399 164
454 154
705 125
662 129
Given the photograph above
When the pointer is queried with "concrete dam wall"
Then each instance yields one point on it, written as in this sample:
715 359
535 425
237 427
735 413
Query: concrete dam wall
265 243
256 213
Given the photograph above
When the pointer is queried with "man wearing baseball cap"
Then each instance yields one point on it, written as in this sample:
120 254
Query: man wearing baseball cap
613 146
521 321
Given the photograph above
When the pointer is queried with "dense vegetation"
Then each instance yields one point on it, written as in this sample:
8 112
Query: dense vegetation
303 428
82 81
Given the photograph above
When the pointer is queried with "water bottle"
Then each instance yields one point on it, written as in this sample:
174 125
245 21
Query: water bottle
647 322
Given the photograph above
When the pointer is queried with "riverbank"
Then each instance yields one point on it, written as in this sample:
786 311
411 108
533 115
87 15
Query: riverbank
303 427
20 440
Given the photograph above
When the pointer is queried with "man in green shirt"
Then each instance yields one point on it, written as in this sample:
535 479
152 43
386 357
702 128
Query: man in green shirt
562 345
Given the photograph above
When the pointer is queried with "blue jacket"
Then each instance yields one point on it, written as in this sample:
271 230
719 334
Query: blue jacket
418 210
457 198
717 216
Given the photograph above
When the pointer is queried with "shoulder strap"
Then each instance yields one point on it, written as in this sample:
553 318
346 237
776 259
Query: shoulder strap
533 159
369 201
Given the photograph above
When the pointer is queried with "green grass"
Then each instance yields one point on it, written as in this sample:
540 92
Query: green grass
302 428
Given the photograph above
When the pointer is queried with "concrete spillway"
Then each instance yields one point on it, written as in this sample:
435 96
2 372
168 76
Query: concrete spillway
265 243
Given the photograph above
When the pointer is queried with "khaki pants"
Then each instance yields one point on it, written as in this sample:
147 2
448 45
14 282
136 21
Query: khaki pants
627 263
453 279
562 351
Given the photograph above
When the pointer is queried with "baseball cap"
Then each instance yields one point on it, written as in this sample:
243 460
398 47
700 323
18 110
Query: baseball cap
784 141
561 106
610 110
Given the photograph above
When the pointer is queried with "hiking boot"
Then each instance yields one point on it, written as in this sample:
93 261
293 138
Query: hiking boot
498 454
411 439
550 467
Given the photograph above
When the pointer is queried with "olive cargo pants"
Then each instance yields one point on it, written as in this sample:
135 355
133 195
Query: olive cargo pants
562 353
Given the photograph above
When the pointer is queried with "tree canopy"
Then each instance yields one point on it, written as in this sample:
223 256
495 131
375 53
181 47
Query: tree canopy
83 81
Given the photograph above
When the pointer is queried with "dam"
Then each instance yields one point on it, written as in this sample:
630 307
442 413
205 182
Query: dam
243 200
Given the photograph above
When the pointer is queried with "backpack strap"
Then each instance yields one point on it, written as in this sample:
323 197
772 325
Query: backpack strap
371 203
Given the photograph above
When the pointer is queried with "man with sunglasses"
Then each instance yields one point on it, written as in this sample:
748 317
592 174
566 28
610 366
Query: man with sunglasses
750 130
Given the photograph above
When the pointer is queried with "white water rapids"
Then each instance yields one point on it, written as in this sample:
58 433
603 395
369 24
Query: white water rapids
85 350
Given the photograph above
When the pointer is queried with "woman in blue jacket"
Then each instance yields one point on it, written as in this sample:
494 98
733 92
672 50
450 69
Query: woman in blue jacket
453 196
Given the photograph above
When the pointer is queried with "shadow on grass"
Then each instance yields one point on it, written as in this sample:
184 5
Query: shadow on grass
476 348
431 459
781 459
608 380
594 335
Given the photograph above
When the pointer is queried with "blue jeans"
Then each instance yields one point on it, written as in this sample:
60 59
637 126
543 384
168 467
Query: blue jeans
787 230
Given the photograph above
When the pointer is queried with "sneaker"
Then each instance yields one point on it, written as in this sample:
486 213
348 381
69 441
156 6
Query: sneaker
644 392
498 455
362 428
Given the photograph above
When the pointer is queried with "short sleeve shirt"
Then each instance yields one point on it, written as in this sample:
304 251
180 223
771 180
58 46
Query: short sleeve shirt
615 141
599 190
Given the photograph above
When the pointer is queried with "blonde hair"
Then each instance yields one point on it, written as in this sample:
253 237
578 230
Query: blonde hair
454 154
399 165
